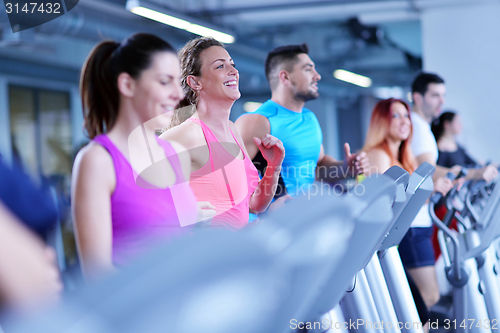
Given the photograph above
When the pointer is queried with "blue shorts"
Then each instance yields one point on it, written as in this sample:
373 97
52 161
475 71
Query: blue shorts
416 248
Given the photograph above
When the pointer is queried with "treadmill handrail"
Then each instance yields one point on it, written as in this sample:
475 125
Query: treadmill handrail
419 181
490 231
454 239
442 226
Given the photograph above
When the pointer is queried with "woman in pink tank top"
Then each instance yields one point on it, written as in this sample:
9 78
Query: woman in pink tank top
129 188
223 174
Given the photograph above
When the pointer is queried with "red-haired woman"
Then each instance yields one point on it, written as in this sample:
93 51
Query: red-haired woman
388 143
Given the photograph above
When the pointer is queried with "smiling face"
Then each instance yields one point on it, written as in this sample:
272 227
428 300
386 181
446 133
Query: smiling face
304 79
158 89
219 77
400 127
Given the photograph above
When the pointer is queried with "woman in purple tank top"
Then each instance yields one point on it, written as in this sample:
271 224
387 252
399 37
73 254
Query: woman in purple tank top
129 188
223 174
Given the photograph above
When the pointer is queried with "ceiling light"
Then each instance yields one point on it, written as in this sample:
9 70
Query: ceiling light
160 17
353 78
158 14
204 31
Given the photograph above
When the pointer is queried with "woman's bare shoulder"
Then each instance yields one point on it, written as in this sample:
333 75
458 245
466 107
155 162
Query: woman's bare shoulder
94 155
378 152
94 163
379 160
188 134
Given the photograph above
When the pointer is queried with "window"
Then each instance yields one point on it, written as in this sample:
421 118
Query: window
41 131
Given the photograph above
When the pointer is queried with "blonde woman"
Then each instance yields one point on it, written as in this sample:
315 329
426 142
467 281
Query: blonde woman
222 171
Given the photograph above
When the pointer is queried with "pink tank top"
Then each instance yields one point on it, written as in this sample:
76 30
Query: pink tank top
140 215
225 181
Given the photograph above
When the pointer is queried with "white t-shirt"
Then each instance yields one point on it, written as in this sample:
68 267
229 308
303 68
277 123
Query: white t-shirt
422 142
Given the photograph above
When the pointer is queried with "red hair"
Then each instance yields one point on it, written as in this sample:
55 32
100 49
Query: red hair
378 132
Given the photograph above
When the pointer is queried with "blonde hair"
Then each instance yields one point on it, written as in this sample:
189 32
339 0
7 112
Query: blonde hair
189 57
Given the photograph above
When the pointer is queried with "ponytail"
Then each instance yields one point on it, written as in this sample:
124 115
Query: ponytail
437 125
98 83
99 91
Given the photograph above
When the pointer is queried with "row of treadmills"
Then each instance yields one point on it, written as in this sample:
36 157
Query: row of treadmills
327 263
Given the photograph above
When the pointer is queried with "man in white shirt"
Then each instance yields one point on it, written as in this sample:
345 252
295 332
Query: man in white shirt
417 254
428 91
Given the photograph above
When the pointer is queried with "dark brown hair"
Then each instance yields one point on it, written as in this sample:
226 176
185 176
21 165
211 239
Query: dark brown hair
437 125
282 57
98 83
422 81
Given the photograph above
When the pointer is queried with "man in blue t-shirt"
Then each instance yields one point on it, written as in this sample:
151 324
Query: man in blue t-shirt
293 80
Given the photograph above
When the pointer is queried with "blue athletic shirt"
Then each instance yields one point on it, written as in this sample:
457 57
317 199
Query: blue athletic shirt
302 137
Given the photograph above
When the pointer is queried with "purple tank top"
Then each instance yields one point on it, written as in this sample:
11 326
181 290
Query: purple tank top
141 215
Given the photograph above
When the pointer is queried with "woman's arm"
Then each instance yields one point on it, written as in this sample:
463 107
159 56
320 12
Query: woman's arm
205 210
190 137
264 193
184 159
93 182
380 162
29 274
273 151
469 161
